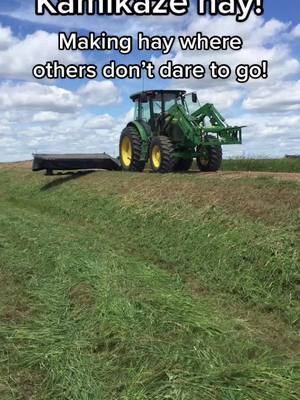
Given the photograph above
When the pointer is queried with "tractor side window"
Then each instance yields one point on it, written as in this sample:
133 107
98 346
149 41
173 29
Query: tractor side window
136 109
145 111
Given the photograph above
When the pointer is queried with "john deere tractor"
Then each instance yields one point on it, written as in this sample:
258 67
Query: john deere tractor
170 129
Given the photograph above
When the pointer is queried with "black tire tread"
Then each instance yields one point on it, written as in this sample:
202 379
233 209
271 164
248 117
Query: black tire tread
215 158
137 165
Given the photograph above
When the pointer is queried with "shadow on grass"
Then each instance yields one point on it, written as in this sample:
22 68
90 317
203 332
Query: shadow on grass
65 177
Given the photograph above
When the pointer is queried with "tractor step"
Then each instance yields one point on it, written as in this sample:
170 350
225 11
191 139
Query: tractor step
69 162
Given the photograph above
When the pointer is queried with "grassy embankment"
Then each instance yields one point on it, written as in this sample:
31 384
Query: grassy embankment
140 286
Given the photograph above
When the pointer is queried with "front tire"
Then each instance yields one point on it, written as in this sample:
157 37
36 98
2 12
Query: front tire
131 149
162 158
211 158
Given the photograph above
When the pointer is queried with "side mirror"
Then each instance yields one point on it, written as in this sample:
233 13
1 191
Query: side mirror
194 97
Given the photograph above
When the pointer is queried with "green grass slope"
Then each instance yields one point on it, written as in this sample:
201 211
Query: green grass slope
139 286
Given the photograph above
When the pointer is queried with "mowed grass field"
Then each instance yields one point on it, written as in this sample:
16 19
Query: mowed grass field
141 286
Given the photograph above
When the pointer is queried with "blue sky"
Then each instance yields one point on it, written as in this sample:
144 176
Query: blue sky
79 116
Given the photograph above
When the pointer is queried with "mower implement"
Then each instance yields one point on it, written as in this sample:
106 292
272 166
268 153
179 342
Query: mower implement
170 129
67 162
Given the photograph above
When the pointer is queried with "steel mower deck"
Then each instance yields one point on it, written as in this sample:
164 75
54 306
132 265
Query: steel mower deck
69 162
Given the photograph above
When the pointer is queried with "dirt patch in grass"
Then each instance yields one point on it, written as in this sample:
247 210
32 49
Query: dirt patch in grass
81 295
15 314
284 176
13 300
196 288
29 386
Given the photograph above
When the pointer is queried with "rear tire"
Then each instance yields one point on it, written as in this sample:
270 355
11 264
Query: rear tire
162 158
130 150
183 165
212 160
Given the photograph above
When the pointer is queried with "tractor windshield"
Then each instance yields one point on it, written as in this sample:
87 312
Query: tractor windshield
157 104
169 99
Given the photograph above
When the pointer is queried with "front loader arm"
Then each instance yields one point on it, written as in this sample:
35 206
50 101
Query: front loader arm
225 134
194 128
210 111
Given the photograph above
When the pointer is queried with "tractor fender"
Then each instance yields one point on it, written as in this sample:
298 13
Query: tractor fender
145 137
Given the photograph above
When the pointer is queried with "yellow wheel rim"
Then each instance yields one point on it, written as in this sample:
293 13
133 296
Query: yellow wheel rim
156 156
126 151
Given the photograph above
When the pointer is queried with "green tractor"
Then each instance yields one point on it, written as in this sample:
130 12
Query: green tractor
170 129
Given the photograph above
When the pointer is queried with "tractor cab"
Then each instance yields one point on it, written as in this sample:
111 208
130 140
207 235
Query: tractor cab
152 106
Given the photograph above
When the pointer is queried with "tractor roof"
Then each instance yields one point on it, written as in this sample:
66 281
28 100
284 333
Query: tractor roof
153 92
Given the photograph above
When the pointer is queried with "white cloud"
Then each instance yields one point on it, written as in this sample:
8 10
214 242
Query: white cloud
283 96
267 135
35 96
47 116
129 116
104 121
100 93
18 57
46 98
269 31
6 37
222 97
296 31
261 127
